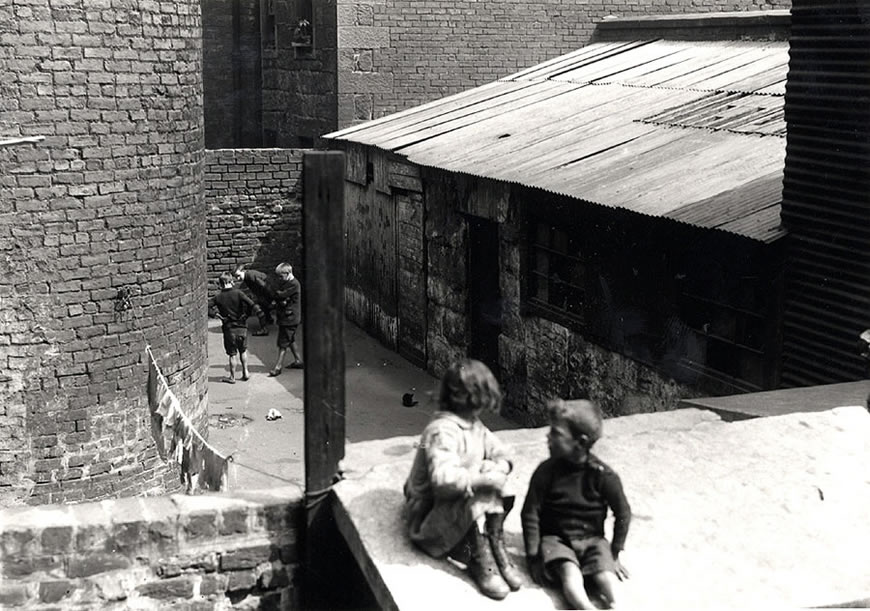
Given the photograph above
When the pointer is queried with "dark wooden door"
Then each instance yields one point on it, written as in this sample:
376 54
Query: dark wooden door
484 294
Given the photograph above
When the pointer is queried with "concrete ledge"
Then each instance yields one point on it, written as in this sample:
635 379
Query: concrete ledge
732 26
767 510
785 401
779 18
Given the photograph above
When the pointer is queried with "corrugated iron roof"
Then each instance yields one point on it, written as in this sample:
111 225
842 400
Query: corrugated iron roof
692 131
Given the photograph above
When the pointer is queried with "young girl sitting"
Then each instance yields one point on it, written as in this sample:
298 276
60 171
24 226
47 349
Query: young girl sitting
454 491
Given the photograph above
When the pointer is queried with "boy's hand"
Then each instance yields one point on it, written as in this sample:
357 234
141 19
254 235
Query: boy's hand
536 569
621 571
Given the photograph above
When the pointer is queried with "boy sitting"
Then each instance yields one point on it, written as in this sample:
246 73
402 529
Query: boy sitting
564 511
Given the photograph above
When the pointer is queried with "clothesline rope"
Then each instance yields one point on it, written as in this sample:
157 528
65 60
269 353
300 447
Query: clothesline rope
180 411
202 466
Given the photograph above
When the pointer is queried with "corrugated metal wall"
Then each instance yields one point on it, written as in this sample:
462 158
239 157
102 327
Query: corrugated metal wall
826 191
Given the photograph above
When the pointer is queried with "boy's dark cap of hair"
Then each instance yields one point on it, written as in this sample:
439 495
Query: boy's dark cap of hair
583 417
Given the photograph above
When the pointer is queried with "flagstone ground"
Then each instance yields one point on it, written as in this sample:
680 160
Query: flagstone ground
270 453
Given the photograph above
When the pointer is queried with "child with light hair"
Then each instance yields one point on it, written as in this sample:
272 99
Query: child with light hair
288 297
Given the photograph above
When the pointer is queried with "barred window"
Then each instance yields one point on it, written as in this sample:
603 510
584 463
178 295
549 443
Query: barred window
557 279
732 321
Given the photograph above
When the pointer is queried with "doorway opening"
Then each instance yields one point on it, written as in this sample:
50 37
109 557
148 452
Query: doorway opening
484 293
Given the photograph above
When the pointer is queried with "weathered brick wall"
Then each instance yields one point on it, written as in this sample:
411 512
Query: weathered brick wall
299 84
102 246
254 200
232 73
201 552
395 54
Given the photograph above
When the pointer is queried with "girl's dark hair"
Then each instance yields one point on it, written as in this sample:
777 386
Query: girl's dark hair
468 385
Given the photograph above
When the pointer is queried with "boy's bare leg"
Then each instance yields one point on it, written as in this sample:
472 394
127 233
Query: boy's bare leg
295 352
572 586
279 364
243 358
606 581
232 375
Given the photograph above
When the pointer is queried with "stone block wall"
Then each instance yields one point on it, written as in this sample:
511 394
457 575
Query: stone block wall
396 54
232 87
446 273
538 359
254 200
191 552
102 241
299 83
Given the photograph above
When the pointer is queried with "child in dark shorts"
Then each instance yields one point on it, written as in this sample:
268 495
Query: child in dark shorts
233 308
288 296
566 505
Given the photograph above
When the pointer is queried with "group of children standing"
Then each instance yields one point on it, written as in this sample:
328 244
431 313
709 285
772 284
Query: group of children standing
456 501
233 307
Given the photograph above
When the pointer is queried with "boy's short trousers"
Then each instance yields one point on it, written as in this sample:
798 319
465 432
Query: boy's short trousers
286 335
591 554
235 341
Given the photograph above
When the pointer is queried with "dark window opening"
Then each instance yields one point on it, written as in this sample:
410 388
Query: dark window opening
303 24
557 271
270 138
726 312
270 25
697 307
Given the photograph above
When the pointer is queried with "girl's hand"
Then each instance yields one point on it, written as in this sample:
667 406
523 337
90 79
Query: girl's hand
491 480
620 570
493 465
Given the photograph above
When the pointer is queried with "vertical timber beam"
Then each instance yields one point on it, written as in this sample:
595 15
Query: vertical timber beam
323 294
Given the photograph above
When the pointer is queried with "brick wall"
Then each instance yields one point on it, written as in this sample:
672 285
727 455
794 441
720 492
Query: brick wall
395 54
102 241
299 84
254 200
200 552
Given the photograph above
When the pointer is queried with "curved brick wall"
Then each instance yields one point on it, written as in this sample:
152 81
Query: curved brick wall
110 202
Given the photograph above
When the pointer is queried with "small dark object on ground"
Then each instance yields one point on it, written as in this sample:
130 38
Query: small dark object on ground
408 400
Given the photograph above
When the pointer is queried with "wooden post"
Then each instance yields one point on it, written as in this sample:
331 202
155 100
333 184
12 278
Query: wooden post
323 324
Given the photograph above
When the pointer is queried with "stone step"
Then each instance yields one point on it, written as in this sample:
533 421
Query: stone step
765 512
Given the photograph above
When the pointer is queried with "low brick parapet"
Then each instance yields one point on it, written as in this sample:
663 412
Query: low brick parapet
204 551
